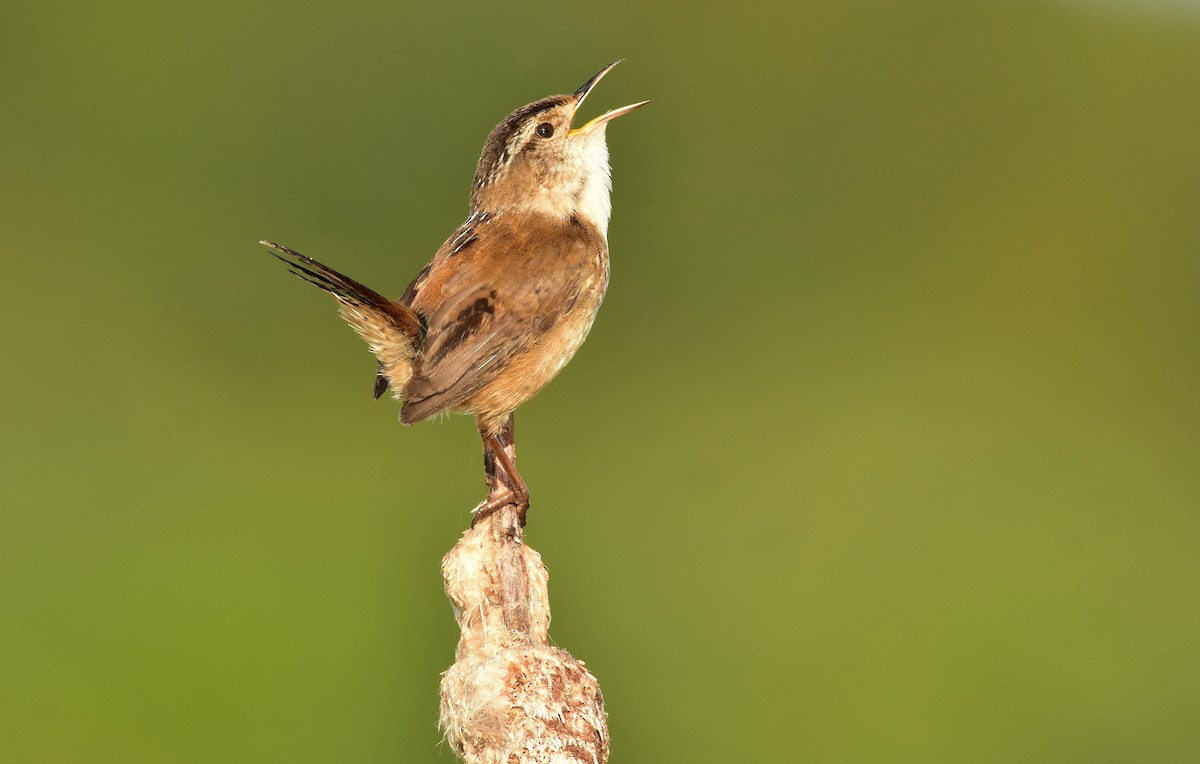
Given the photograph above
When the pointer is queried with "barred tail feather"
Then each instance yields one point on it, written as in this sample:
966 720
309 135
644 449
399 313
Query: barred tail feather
392 330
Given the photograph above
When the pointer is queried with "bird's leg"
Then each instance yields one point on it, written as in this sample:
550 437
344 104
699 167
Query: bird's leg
497 478
505 485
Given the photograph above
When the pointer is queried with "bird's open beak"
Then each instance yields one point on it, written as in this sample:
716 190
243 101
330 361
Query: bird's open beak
586 88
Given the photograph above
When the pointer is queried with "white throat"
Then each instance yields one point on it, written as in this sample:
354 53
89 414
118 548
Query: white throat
583 190
593 200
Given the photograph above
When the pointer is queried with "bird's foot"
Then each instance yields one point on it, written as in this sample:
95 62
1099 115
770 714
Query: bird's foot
498 499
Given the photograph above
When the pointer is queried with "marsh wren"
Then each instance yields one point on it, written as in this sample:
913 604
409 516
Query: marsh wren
510 296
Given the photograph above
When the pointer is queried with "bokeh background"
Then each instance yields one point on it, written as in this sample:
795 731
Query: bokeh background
884 447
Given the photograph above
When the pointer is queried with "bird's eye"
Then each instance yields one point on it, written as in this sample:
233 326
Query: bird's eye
545 130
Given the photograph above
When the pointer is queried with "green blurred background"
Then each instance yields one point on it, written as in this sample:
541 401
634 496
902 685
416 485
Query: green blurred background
884 446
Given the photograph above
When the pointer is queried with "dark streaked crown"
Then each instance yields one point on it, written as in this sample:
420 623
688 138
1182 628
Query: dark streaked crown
504 142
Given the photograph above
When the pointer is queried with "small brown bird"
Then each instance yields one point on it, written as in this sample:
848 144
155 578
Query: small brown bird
510 296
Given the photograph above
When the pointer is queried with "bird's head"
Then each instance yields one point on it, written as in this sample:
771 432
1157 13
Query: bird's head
535 162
